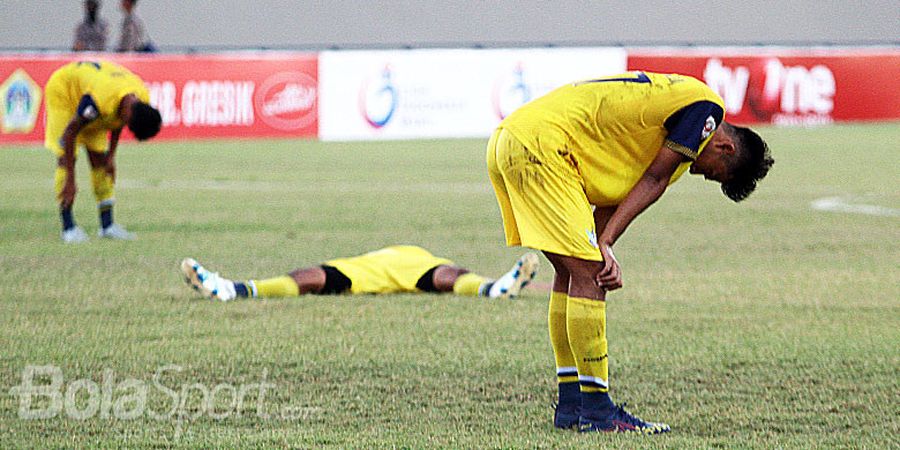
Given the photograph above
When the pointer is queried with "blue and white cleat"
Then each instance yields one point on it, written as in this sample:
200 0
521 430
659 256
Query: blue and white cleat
117 232
511 283
621 421
74 235
210 284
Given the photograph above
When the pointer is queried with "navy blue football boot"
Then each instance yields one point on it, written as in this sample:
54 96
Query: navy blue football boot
620 421
565 416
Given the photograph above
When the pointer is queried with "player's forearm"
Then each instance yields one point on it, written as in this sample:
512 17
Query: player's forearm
113 142
70 134
602 217
648 189
644 194
68 157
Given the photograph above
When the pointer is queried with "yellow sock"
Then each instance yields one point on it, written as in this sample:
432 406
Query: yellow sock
469 284
283 286
586 326
566 370
59 181
102 184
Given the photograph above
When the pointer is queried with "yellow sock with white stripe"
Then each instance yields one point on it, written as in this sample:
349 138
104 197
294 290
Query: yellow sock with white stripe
586 323
566 370
586 327
283 286
102 183
469 284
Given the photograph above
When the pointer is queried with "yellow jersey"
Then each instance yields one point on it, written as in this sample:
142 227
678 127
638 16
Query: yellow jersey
93 90
611 128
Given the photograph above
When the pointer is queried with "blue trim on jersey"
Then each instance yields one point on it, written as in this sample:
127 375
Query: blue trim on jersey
87 108
686 126
640 78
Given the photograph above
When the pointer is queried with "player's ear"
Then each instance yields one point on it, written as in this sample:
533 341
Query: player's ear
723 141
728 147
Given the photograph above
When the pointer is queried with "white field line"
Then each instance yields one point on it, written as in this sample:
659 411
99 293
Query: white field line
844 205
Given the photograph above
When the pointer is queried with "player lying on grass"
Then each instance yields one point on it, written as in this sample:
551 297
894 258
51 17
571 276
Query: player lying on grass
395 269
88 102
572 169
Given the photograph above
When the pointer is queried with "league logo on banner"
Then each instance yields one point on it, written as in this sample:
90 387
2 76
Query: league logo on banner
511 92
20 103
378 99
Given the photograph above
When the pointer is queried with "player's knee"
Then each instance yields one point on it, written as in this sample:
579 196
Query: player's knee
441 278
559 264
581 273
97 159
321 280
585 269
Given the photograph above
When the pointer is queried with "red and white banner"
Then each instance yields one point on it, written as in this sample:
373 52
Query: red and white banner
451 93
206 96
790 86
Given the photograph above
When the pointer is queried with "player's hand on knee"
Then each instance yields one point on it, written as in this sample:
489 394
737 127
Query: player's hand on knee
111 169
610 276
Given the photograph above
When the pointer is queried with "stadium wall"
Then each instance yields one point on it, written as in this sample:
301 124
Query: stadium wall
448 93
177 25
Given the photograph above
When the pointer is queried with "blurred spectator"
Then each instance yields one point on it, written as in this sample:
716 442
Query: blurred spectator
91 34
134 35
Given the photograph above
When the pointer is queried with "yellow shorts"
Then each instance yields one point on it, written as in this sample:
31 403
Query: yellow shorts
60 110
389 270
542 199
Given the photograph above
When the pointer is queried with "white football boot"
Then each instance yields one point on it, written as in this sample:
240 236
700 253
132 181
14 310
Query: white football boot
512 282
74 235
116 231
210 284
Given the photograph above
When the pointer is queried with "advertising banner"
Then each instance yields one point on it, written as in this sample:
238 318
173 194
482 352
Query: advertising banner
790 87
407 94
199 96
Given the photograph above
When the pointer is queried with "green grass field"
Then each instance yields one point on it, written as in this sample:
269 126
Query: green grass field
766 324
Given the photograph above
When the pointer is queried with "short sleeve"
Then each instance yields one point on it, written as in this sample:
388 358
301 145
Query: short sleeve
691 126
87 108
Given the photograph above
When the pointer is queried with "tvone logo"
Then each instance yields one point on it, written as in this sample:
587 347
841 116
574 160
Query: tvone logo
773 91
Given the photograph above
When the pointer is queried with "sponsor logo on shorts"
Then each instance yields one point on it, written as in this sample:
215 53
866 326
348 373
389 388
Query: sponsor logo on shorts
592 238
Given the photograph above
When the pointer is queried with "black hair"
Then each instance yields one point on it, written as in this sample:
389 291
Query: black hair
752 164
145 121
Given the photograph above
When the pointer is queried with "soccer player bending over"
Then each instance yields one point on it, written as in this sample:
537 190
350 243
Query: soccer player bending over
400 268
86 101
572 169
